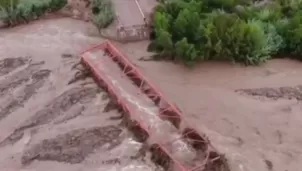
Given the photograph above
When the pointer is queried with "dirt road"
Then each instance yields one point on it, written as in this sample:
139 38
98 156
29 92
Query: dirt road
49 121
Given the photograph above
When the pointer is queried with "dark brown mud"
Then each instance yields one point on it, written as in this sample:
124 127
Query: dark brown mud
73 115
275 93
60 105
7 65
51 113
74 146
81 73
19 77
14 103
54 109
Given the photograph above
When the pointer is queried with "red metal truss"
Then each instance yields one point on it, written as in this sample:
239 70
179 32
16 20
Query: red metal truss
166 110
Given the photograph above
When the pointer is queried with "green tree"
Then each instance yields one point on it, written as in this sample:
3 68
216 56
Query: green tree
161 22
164 43
292 33
235 30
187 25
14 12
8 3
185 51
103 13
103 19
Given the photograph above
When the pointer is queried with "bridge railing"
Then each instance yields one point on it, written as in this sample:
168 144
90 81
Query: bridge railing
133 32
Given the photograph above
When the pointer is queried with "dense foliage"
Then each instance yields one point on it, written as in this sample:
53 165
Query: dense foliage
13 12
103 13
6 3
237 30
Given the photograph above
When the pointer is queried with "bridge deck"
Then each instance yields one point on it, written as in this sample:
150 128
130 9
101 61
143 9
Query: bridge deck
128 12
185 148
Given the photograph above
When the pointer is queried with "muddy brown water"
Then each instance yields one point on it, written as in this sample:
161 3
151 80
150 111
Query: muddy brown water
256 129
51 117
72 147
144 110
255 132
9 64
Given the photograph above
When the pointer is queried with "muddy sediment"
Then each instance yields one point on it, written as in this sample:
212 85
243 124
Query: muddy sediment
74 146
70 115
25 93
60 105
20 77
275 93
7 65
54 109
58 129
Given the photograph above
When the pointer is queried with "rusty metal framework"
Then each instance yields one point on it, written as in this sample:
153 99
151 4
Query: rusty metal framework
168 111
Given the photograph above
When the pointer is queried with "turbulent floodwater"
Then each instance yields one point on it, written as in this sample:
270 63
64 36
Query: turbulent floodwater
252 114
48 120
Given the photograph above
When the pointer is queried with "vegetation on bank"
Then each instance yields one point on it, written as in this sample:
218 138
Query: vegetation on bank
103 13
236 30
14 12
6 3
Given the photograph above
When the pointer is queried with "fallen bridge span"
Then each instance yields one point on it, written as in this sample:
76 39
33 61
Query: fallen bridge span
175 143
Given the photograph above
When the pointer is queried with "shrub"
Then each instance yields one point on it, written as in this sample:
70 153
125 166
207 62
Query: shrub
226 5
55 5
216 35
7 3
26 10
227 37
186 51
9 13
292 33
289 7
103 13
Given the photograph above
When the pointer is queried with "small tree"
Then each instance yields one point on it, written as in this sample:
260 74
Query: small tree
187 25
103 13
9 13
164 43
185 51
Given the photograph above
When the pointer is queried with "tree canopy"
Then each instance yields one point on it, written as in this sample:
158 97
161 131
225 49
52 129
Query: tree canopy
235 30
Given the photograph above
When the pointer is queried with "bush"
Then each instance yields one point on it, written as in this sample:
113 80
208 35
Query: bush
9 13
234 30
55 5
103 13
26 10
292 33
7 3
289 7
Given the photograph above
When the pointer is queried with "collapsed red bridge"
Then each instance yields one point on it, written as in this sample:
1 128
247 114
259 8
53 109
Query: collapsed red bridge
167 132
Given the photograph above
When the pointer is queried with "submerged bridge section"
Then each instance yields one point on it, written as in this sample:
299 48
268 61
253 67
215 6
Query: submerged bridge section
175 144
